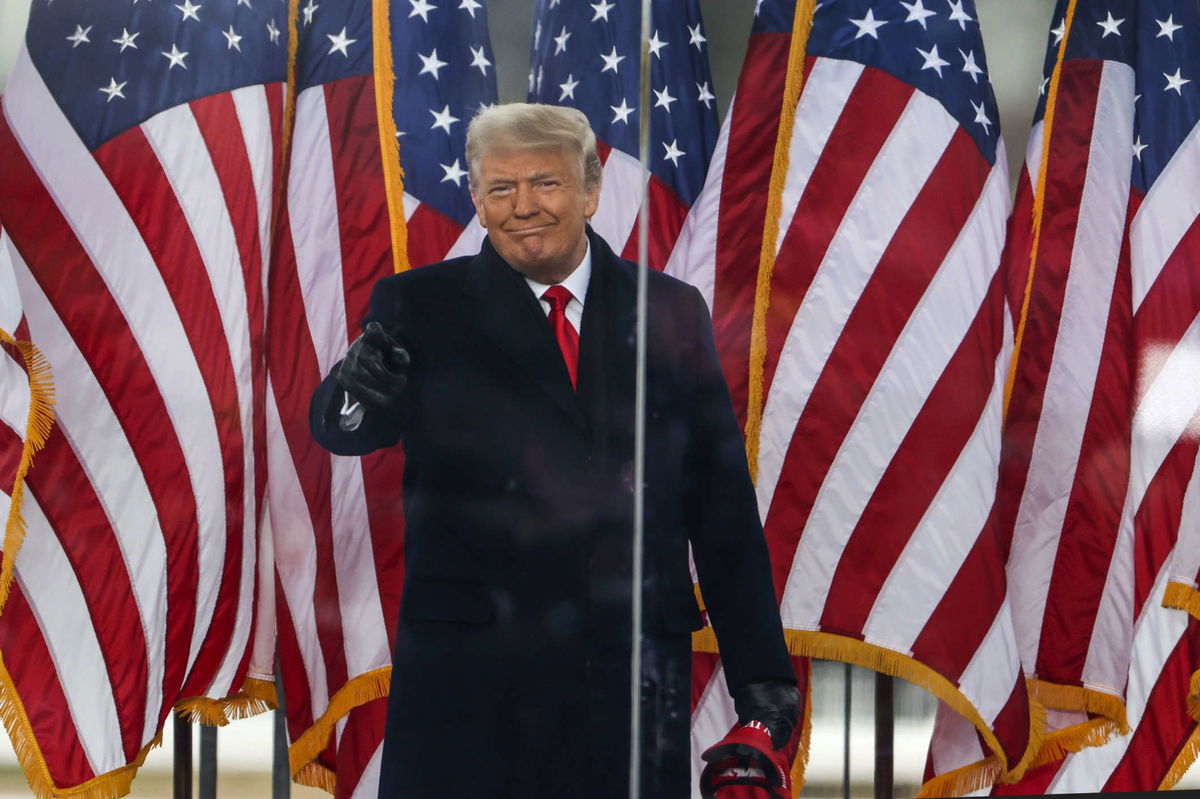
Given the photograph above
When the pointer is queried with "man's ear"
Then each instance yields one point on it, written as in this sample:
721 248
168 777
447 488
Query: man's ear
593 202
475 199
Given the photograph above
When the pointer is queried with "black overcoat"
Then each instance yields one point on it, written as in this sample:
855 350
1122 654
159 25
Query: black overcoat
511 664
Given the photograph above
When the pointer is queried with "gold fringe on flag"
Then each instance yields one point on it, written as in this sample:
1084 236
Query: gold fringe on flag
1183 597
1109 709
389 142
289 119
987 772
1039 197
1193 700
1187 756
110 785
315 775
358 691
254 697
801 28
38 424
800 762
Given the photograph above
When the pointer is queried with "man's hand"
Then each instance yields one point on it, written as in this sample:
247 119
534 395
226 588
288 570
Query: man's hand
375 368
755 758
774 703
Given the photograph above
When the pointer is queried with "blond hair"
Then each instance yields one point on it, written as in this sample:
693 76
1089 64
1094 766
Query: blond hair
519 127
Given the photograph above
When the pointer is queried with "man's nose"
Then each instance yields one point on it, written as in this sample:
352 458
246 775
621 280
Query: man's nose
525 201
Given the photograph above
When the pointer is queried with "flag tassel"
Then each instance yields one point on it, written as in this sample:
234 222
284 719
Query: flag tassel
37 430
987 772
1187 756
1183 597
254 697
358 691
109 785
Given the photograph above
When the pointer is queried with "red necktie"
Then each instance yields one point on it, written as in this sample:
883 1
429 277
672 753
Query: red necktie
564 331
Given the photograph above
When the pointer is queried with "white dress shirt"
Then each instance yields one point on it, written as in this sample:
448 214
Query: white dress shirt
576 283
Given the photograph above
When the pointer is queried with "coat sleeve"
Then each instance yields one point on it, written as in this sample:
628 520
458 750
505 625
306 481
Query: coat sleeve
728 545
378 429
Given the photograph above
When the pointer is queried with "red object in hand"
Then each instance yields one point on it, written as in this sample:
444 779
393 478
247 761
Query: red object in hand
745 765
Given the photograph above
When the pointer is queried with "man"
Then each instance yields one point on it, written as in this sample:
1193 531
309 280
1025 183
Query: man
509 379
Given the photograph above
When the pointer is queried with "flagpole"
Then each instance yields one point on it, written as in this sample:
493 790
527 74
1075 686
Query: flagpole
639 430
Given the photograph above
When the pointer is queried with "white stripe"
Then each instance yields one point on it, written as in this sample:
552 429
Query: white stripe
175 137
295 554
825 95
363 626
1167 213
254 118
10 298
116 247
411 204
48 581
368 781
312 208
931 558
928 341
316 233
1186 562
886 195
1166 412
955 743
713 717
1156 633
1071 382
468 242
620 198
694 258
1033 153
14 404
995 668
85 418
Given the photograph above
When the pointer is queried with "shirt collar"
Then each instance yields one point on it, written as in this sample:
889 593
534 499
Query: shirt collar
576 282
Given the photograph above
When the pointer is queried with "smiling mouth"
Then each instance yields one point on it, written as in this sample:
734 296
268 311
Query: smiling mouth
533 229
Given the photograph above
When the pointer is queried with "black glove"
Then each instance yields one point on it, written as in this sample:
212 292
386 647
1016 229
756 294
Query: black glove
375 368
774 703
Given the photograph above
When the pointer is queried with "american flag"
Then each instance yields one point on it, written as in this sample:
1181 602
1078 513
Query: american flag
871 341
338 522
587 55
139 157
1100 480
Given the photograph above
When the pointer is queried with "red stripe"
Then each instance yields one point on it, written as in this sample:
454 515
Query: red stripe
913 256
1165 726
1066 172
78 519
917 472
667 215
297 691
430 235
871 112
360 739
35 679
1157 520
704 666
1018 243
1093 514
98 328
743 204
294 375
367 257
1172 304
1036 781
218 122
131 166
361 197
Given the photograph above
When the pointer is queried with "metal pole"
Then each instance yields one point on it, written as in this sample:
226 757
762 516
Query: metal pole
183 759
848 694
885 722
281 778
639 423
281 770
208 762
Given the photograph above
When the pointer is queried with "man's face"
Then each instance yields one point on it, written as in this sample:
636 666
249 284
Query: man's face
534 206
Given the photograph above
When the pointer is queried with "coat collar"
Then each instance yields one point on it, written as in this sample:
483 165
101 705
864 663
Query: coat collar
510 317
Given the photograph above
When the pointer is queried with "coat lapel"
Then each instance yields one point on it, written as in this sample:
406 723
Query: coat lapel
509 316
606 345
